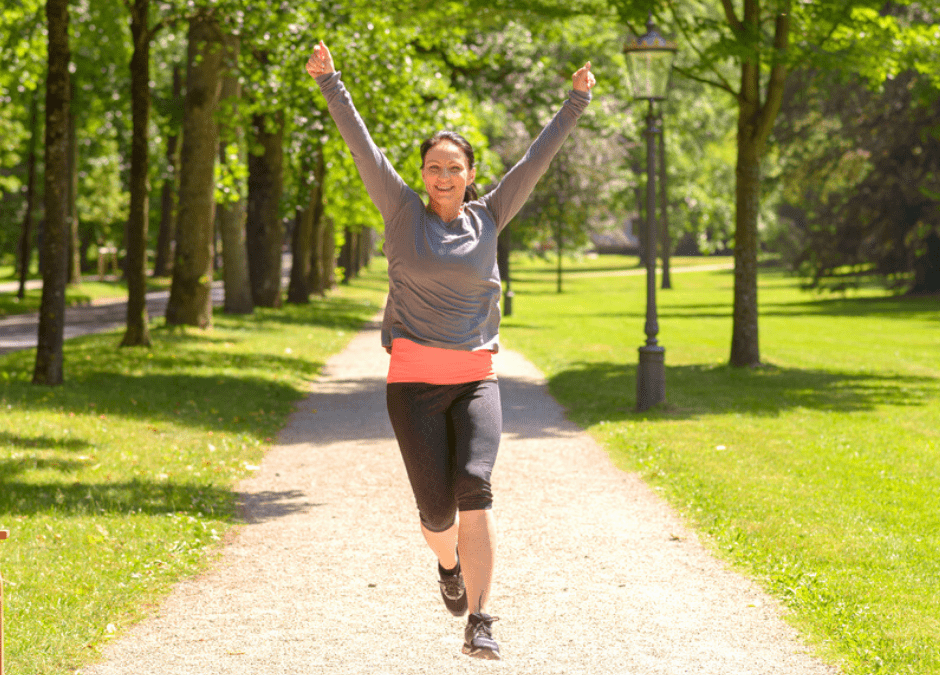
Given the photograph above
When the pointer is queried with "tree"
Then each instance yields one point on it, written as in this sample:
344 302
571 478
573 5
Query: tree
861 167
864 198
163 259
307 243
135 270
49 369
730 41
191 289
26 238
265 231
231 201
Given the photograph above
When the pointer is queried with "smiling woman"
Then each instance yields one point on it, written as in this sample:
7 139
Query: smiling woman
441 327
448 171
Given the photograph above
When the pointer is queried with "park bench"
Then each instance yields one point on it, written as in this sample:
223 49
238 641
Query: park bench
3 535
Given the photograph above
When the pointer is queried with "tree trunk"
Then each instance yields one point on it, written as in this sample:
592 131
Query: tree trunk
298 290
191 290
927 267
755 121
232 214
348 255
317 225
26 239
135 267
744 338
265 231
328 258
74 254
163 262
365 248
305 246
55 233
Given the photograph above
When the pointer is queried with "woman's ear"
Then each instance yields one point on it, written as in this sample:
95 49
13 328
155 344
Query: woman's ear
472 175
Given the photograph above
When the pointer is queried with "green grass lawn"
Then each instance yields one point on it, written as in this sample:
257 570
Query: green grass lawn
120 481
818 473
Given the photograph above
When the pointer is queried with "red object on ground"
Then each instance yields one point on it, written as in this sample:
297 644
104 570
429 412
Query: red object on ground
3 535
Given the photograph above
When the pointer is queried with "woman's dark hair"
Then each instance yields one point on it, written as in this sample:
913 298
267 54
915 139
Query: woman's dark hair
471 192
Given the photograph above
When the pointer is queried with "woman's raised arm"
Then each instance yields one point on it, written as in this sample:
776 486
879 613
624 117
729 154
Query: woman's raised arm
505 200
384 185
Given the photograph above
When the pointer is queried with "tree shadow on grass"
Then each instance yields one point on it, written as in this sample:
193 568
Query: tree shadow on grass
335 313
596 392
149 498
136 496
894 307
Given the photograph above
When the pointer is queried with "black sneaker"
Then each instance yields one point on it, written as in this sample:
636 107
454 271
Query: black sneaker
478 639
453 590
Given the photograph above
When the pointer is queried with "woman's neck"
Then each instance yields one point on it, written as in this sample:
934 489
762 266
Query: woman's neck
446 213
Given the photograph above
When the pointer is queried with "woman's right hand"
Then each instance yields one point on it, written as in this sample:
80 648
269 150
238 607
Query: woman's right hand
320 62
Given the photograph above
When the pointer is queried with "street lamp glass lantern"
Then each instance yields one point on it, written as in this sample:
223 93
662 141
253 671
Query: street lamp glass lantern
649 58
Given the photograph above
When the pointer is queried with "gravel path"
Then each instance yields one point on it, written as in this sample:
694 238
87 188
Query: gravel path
329 573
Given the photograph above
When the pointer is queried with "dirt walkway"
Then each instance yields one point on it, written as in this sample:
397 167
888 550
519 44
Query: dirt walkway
330 575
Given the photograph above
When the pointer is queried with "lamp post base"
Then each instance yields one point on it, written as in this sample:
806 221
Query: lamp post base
650 377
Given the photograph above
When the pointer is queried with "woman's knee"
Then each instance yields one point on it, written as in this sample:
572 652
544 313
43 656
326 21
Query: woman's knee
438 520
473 489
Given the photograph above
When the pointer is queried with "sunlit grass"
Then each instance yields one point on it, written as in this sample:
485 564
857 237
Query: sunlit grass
119 482
818 472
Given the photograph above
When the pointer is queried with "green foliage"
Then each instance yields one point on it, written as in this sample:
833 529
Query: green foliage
231 176
102 200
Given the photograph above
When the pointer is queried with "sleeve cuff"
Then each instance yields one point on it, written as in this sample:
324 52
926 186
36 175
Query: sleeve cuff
580 96
327 79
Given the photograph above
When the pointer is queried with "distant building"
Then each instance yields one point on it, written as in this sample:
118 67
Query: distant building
620 241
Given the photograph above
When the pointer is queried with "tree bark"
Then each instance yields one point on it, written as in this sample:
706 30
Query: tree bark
26 238
49 368
191 290
135 267
305 245
232 214
75 249
163 261
265 231
328 257
755 121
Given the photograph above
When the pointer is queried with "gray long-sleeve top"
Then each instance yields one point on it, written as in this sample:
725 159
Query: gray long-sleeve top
444 285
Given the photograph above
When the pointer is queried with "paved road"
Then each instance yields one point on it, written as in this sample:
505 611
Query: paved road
20 331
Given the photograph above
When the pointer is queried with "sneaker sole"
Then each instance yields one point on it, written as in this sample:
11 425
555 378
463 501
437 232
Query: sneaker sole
487 654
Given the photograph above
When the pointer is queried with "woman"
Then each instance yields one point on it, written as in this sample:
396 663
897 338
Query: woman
441 327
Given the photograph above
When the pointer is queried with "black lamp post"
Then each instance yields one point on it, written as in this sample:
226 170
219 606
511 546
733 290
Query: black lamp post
650 60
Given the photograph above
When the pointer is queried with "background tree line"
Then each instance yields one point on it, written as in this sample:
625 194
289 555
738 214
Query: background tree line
187 133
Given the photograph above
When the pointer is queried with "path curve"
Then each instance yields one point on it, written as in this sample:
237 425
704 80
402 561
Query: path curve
328 574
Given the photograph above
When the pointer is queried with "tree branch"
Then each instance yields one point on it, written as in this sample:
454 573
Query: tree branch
714 83
778 76
722 82
732 18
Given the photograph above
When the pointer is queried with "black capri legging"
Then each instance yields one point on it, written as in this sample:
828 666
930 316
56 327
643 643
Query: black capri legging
449 436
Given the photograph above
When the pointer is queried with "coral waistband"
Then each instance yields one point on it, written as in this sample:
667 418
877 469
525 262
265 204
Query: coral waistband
412 362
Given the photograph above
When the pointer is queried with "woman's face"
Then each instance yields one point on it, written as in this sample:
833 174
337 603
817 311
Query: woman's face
446 175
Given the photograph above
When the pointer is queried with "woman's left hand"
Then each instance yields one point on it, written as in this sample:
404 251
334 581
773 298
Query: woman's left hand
583 79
